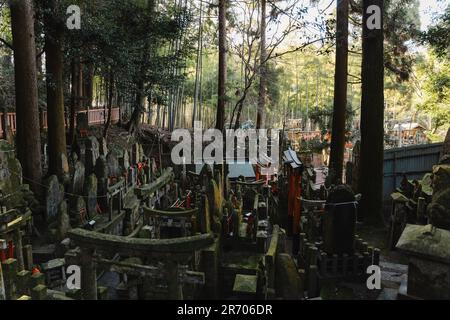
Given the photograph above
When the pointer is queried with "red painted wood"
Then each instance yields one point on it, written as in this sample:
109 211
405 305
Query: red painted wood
95 117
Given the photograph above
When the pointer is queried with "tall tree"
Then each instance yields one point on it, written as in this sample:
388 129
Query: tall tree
88 88
28 130
110 102
198 66
55 89
262 70
372 112
340 92
220 115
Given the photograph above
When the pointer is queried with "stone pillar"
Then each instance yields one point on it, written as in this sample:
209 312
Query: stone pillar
10 271
175 289
22 282
209 264
88 275
19 250
28 255
39 292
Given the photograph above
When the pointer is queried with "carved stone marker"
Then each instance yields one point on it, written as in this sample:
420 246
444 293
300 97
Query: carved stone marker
54 196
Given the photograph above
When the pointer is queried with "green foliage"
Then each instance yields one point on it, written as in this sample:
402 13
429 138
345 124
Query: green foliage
435 74
323 117
438 35
401 26
6 67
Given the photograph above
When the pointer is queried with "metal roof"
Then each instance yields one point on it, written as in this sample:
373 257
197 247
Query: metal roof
290 157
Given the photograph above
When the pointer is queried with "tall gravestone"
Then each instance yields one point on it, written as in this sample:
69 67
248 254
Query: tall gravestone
113 165
92 154
79 148
355 166
78 179
90 191
103 147
124 161
54 196
80 213
63 221
101 172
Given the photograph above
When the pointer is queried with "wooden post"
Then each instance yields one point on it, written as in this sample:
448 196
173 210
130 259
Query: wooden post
88 275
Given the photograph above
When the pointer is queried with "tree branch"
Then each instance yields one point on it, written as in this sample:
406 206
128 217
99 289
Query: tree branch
7 44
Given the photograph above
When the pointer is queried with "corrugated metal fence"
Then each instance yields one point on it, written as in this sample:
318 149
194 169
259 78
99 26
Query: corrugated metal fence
414 161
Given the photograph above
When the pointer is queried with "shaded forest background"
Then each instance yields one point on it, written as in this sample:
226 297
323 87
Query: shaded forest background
160 59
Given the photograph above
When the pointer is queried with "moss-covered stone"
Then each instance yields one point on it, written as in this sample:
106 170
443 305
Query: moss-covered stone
39 292
246 284
426 241
10 176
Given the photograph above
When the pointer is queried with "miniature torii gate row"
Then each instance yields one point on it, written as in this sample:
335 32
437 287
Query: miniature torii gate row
174 252
182 216
153 191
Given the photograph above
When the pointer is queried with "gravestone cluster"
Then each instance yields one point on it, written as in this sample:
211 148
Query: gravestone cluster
95 167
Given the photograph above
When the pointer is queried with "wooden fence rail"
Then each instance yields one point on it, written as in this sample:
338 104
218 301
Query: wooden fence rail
95 117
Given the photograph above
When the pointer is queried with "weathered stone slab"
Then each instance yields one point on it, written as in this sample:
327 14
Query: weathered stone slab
426 242
287 284
246 284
